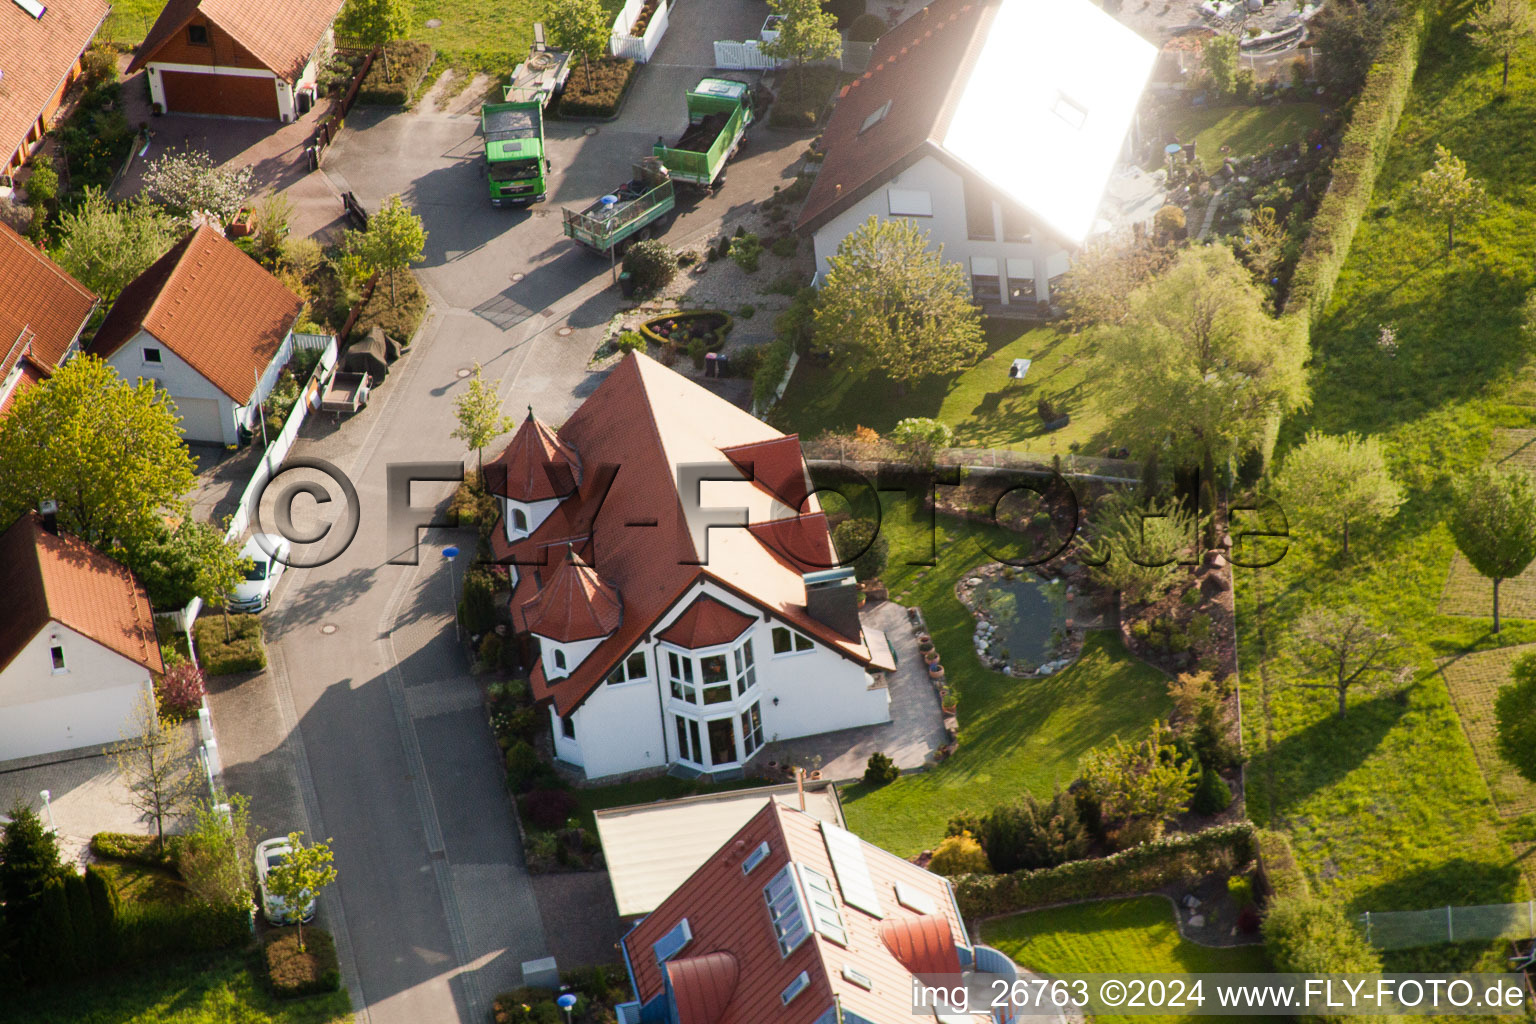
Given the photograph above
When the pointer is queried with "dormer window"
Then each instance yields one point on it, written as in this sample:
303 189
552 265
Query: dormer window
519 521
560 660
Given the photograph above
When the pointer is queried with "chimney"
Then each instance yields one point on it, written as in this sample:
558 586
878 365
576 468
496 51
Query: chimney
800 785
832 598
50 511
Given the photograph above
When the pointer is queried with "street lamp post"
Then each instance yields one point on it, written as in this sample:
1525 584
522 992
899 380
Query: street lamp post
450 553
48 809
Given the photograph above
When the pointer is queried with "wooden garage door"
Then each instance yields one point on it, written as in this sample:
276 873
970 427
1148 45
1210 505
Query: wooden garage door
201 419
232 95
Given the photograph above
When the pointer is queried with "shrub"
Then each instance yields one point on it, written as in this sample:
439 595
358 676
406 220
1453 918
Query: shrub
1279 873
490 650
1212 795
548 808
180 691
1168 222
1178 858
477 611
43 183
746 252
472 505
650 264
860 544
153 931
529 1006
98 64
524 766
747 312
131 849
630 341
866 28
1027 834
398 319
785 247
959 855
292 973
1240 891
1308 936
802 98
600 96
391 81
244 651
770 373
880 769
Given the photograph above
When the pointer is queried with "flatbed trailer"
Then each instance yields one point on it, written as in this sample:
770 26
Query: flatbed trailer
638 208
719 110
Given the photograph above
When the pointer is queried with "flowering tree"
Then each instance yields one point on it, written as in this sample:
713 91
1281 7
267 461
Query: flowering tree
187 182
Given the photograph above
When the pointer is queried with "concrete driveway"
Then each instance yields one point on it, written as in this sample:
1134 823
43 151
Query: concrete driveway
368 728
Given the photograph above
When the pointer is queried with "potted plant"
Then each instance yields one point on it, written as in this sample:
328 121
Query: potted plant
924 642
931 656
935 670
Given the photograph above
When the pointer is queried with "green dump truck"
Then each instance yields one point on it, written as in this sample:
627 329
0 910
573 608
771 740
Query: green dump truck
719 111
514 152
639 208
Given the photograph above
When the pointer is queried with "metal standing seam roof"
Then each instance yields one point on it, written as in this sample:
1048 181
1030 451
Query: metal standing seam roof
652 849
212 305
282 34
36 55
58 577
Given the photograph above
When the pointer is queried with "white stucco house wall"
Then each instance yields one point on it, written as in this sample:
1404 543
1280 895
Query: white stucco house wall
1001 128
658 640
77 642
212 327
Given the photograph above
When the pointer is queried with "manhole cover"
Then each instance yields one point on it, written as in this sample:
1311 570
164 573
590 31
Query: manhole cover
589 130
464 371
434 22
518 276
328 628
564 332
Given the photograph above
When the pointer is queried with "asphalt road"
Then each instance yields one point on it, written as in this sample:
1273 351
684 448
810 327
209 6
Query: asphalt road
367 729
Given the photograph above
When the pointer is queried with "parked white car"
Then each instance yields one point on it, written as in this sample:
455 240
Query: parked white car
255 592
269 854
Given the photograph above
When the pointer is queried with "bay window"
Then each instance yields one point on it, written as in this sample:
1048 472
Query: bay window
680 673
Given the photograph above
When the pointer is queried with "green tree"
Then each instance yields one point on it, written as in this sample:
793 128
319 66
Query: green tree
375 23
103 895
1336 481
394 240
301 876
29 860
1139 786
1494 524
860 544
1197 369
156 760
1030 833
891 304
581 28
1097 288
1218 58
959 855
1447 192
82 924
920 437
1515 711
1137 548
107 451
481 420
807 33
1343 647
193 560
105 245
1498 27
215 859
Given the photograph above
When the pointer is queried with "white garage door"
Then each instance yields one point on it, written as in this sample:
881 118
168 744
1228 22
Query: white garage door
201 419
83 720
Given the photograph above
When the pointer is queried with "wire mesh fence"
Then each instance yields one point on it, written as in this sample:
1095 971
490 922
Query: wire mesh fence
1402 929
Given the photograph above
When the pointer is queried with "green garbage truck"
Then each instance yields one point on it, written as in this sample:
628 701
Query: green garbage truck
515 164
639 208
719 111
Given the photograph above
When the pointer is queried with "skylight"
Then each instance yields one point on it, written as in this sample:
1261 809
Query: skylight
847 853
785 910
857 977
1069 110
913 899
800 984
755 858
876 117
818 892
32 7
672 943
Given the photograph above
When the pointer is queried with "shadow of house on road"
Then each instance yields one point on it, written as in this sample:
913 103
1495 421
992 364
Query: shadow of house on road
530 298
443 196
321 599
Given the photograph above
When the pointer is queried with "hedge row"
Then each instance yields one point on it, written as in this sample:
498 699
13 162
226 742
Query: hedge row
1139 869
1362 151
148 931
406 61
292 973
1282 876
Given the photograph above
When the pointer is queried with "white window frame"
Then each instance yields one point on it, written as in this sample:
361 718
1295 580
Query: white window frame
622 670
795 636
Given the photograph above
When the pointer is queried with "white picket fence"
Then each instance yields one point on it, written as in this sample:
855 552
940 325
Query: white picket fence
641 48
271 460
744 56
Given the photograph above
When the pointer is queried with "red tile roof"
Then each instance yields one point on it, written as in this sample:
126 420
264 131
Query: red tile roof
576 605
803 543
212 305
627 519
37 296
282 34
30 376
726 913
57 577
706 623
776 465
919 68
702 986
535 466
36 55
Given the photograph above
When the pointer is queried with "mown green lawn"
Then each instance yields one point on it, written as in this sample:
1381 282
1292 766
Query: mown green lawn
218 990
1387 807
1244 130
985 407
1015 734
1131 936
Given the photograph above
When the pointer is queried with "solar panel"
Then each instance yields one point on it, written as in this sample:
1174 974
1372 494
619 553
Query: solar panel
847 853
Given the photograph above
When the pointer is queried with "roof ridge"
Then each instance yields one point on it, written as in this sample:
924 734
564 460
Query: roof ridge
634 359
48 263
